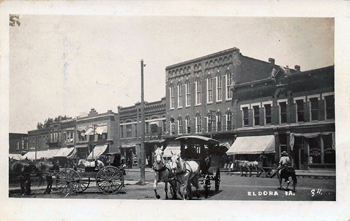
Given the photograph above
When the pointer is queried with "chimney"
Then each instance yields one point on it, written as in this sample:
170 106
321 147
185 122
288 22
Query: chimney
297 68
272 61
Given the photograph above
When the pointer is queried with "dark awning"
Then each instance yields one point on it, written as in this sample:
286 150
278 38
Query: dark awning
253 145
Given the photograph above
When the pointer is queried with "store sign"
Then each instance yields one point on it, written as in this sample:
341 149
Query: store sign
315 152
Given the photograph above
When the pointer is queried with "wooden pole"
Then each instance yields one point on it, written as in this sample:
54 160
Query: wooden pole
142 150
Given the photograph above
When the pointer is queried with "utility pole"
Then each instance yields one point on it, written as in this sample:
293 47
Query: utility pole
142 151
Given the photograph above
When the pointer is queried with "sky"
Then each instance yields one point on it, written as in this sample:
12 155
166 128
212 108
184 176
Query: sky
68 64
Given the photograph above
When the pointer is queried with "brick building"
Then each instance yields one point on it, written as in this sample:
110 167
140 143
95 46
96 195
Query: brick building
227 95
130 127
292 108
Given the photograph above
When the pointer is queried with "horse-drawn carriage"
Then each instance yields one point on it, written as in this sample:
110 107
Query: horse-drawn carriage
206 152
109 179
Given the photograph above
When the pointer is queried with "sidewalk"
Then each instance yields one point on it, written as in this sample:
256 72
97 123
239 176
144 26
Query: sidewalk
300 173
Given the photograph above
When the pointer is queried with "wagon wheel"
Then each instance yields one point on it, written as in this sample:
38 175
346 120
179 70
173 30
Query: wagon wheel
67 181
109 179
217 180
83 184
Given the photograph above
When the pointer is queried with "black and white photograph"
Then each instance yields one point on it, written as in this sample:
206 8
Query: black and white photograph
179 110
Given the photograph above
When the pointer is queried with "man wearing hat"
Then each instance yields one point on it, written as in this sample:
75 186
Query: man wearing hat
284 162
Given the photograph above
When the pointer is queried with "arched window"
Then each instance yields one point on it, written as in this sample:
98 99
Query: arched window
172 126
198 88
229 121
209 90
187 125
180 125
218 122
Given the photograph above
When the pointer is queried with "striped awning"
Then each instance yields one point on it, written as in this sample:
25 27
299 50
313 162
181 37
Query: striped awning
15 156
47 154
64 152
98 151
253 145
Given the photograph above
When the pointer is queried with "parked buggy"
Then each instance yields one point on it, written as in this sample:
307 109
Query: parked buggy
109 179
207 153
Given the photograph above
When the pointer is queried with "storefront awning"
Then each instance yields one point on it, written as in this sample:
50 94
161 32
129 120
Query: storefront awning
47 154
64 152
172 147
15 156
253 145
98 150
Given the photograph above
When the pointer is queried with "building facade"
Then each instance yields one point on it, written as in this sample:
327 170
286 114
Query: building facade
81 134
130 129
227 95
18 143
294 107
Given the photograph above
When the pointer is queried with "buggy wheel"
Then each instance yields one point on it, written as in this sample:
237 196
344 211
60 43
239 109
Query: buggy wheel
109 179
67 181
83 184
217 180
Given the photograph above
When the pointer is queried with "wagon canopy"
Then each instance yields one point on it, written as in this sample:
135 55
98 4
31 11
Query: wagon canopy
253 145
197 140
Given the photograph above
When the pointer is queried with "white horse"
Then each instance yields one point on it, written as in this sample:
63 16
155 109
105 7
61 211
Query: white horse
187 173
86 163
162 173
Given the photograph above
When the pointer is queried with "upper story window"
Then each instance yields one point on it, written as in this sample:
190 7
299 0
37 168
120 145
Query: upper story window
172 97
329 106
256 109
228 86
135 130
172 126
188 94
198 87
229 121
121 131
314 108
283 112
219 88
218 122
198 124
267 108
180 126
188 125
209 90
300 110
211 123
180 95
128 130
245 116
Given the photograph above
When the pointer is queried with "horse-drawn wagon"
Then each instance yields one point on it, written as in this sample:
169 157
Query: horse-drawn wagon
109 179
206 152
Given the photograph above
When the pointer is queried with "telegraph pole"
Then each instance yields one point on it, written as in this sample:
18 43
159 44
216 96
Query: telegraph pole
142 151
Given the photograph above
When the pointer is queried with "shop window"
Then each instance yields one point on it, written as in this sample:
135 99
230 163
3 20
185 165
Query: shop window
329 152
256 115
314 108
283 112
283 142
267 113
245 116
329 107
315 150
300 110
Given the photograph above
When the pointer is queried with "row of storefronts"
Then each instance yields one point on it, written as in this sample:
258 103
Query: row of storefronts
253 108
